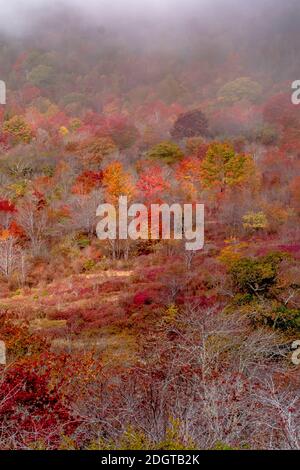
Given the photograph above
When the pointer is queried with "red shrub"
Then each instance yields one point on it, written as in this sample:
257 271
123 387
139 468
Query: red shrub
142 298
31 406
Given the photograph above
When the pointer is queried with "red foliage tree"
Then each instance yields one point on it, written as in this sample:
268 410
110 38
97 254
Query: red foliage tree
87 181
32 409
152 184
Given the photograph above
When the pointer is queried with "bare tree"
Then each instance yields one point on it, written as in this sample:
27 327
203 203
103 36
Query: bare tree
83 209
279 415
35 222
9 256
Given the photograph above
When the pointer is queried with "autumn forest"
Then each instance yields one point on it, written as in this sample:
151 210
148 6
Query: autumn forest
142 344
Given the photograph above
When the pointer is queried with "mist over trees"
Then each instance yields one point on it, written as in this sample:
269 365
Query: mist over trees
140 344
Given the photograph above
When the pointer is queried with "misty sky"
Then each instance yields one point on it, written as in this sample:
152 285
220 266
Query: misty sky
21 16
17 15
13 10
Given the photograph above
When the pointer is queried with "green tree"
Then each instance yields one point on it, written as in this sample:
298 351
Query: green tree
240 89
223 167
18 130
256 276
41 76
167 152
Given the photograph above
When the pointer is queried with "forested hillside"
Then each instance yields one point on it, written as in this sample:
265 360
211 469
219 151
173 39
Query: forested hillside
141 344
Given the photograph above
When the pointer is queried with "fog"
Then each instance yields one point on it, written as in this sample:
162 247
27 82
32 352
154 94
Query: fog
20 16
266 30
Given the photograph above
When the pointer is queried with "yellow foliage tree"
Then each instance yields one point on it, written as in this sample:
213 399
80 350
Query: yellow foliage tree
255 221
117 182
18 130
223 167
232 252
